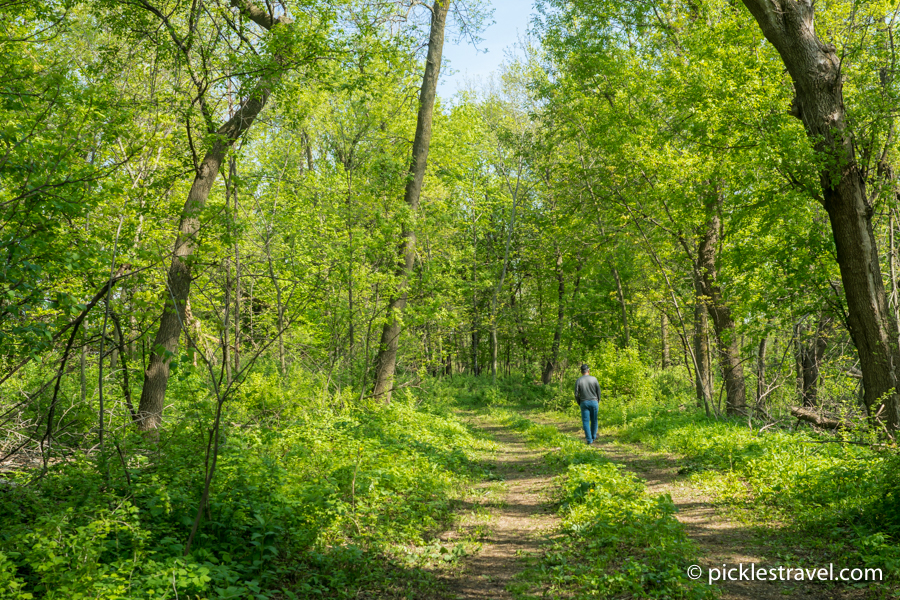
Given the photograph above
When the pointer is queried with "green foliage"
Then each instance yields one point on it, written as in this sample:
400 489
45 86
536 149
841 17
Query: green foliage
625 381
563 211
307 489
617 540
844 492
623 376
624 540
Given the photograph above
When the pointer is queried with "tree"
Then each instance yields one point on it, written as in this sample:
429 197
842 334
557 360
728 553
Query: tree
815 69
386 360
221 139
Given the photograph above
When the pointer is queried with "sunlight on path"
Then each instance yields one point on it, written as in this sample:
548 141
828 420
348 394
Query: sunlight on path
722 539
518 526
522 519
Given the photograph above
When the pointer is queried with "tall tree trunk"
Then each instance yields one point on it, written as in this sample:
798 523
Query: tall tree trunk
351 334
815 69
761 371
703 372
895 296
126 384
572 302
237 271
226 325
476 369
723 323
519 328
508 356
664 340
83 369
386 361
180 274
512 223
305 142
279 303
623 307
553 362
810 353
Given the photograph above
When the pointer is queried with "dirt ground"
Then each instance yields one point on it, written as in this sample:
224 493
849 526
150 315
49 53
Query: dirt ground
722 539
521 518
512 517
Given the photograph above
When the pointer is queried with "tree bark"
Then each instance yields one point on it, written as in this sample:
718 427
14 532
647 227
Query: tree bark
476 369
178 280
761 371
520 328
237 271
815 69
512 223
623 308
809 360
386 361
553 362
664 340
226 325
83 370
702 372
812 416
282 359
307 144
894 301
126 384
723 323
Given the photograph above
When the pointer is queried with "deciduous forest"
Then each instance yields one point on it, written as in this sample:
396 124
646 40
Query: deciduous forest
280 320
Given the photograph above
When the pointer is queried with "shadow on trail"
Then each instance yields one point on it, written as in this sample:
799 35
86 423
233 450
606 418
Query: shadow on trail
519 522
725 542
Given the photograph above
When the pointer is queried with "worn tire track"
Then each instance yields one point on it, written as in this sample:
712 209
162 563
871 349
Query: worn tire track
520 523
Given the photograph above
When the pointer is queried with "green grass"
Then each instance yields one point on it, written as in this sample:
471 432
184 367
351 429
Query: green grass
615 539
324 497
818 487
805 492
318 501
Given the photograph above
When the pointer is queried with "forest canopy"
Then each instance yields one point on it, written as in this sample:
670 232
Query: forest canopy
220 215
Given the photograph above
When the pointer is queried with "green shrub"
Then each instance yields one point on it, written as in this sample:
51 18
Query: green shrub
622 375
617 540
301 484
624 380
846 493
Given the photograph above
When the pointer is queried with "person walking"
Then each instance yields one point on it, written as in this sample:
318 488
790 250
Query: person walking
587 395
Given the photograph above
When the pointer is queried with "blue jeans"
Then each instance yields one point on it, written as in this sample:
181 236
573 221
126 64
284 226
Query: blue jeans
589 410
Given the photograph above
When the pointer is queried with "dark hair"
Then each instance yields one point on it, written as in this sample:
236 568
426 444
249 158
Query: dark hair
585 368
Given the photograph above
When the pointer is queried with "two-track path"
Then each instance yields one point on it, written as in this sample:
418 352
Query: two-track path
522 517
520 522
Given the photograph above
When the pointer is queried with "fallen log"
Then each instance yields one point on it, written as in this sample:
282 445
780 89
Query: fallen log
819 420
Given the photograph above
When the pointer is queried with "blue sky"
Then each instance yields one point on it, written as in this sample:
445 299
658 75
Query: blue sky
511 18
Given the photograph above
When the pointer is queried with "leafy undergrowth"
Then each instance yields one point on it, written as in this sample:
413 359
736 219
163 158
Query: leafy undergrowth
836 499
309 501
615 539
828 500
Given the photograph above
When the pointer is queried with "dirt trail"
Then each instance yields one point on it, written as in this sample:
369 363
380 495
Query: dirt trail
520 521
722 539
